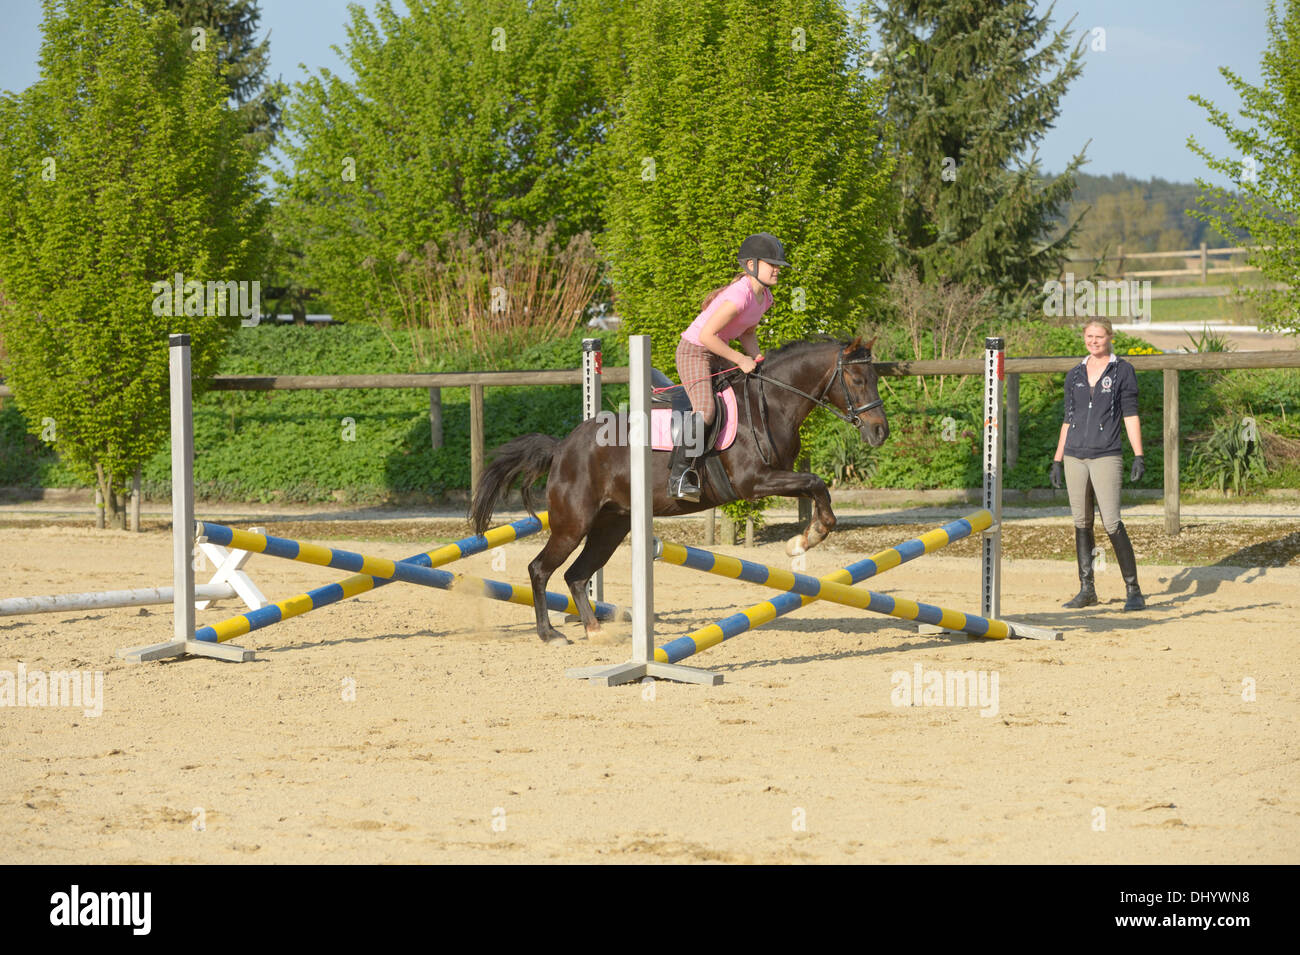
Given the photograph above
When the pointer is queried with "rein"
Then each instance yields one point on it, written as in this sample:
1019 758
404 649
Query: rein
849 417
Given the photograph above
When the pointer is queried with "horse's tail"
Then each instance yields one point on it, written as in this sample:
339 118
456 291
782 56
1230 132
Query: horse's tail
528 457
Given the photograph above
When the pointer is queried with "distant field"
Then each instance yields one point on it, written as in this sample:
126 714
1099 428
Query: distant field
1231 309
1228 310
1213 311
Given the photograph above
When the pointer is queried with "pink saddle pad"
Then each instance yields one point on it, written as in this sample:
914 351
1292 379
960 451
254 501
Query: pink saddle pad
661 422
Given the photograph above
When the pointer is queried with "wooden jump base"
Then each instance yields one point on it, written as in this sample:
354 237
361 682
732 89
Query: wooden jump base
802 588
376 572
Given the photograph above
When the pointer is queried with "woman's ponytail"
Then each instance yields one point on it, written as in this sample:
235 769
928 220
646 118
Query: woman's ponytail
708 299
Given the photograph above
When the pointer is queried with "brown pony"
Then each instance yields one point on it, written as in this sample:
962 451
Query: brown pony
588 489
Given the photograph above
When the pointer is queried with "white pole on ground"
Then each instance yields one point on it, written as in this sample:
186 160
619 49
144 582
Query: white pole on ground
183 641
106 599
643 663
229 581
592 361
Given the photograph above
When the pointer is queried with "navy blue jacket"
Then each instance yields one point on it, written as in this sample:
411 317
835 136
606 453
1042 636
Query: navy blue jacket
1096 415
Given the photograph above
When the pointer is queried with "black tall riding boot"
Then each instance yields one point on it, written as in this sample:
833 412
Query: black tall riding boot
1133 599
683 479
1083 544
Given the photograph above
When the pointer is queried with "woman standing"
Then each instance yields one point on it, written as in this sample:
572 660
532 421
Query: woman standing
729 313
1100 395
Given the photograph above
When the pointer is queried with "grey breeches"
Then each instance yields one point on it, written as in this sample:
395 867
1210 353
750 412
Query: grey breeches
1094 479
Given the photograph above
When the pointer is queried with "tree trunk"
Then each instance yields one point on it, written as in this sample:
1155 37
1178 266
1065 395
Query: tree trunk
110 511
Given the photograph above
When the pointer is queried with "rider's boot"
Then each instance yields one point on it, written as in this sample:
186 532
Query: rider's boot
683 478
1083 543
1133 599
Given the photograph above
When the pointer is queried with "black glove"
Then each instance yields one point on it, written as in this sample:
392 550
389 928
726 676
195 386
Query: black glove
1139 469
1057 473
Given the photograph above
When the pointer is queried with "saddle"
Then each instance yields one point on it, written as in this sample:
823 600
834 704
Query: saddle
720 433
669 409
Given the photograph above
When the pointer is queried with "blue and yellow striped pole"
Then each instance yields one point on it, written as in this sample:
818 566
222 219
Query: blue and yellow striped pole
375 572
783 604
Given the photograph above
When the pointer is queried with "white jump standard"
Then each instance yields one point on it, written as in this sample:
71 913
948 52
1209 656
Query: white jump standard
182 422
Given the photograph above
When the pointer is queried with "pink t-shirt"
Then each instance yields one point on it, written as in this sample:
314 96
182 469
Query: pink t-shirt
751 308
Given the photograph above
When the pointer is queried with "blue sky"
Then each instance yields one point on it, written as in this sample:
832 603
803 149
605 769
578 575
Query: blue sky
1131 100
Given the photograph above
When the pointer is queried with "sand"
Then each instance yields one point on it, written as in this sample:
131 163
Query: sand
410 725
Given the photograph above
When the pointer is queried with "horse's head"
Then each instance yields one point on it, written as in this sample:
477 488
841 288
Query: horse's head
854 390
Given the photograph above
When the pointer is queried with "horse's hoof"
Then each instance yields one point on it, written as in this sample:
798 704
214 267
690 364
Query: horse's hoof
556 639
795 546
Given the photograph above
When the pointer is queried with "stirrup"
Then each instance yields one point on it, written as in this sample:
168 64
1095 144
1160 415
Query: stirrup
684 489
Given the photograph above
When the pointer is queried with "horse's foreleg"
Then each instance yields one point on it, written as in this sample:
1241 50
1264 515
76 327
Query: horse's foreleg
555 553
602 540
801 484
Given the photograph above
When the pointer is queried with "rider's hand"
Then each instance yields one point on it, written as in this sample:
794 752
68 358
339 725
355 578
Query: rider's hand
1056 474
747 364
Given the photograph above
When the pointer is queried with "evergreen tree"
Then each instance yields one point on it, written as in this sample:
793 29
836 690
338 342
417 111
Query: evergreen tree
231 25
118 172
972 87
1266 171
746 116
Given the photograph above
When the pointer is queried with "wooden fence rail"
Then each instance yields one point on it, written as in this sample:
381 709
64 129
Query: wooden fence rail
1170 364
478 381
1201 255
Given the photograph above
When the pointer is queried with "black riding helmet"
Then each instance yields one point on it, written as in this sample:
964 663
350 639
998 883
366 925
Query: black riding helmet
766 248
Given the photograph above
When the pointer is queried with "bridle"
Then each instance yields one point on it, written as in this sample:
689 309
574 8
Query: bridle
850 416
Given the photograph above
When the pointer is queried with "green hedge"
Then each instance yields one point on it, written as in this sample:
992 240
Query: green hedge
936 439
299 446
293 445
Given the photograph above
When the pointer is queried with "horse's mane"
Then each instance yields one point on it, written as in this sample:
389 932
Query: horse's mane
799 347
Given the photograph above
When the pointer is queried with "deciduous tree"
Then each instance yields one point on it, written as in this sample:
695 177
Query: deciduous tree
123 166
1265 173
746 116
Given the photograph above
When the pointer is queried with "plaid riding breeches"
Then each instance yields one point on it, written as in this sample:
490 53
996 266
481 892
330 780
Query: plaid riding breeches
695 366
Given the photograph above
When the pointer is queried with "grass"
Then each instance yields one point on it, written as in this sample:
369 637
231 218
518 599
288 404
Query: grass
1228 310
1209 311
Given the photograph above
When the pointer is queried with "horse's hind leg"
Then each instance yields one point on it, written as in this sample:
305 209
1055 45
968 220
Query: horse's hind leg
555 553
608 531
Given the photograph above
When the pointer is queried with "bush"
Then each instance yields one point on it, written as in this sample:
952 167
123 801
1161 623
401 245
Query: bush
359 445
301 445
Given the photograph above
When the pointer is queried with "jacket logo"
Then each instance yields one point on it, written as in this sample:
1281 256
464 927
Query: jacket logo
1105 383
